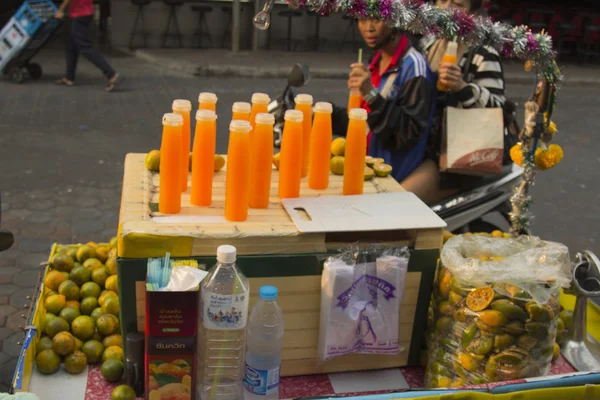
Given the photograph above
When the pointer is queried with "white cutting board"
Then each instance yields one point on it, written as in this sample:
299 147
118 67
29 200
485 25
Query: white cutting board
370 212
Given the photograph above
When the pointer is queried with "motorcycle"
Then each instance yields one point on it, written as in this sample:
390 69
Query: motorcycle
472 210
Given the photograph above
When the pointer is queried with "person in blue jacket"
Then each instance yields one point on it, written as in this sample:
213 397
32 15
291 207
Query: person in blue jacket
399 94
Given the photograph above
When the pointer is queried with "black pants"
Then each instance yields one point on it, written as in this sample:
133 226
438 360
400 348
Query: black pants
79 43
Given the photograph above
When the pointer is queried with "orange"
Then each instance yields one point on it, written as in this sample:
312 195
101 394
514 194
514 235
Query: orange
47 362
110 305
70 290
75 362
53 280
107 324
93 350
83 327
99 276
103 296
80 275
480 298
123 392
63 343
55 303
113 340
112 283
113 353
112 370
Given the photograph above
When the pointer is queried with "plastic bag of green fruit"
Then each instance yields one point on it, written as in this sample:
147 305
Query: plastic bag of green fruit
495 310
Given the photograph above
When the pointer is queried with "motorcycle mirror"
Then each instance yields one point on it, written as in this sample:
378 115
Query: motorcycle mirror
299 76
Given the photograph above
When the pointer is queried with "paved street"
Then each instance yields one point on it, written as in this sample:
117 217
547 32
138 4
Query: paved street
62 151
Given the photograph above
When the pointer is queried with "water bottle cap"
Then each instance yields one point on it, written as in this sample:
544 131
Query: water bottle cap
358 114
323 107
260 98
240 126
226 254
264 118
182 105
172 119
206 97
303 99
268 292
205 115
293 115
241 107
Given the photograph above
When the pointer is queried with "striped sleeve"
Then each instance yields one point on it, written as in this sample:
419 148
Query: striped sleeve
485 80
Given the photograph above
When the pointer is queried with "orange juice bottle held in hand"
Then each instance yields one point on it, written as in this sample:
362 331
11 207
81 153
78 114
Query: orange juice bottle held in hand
237 185
320 147
183 108
449 57
354 99
169 192
290 165
207 101
356 149
240 111
304 103
261 161
203 156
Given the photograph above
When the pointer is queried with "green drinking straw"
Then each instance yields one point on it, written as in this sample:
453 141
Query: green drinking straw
360 56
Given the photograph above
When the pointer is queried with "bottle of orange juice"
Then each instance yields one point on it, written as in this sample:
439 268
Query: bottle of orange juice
184 107
320 147
260 104
169 192
449 57
261 161
238 171
356 149
304 103
354 100
290 165
241 111
207 101
203 156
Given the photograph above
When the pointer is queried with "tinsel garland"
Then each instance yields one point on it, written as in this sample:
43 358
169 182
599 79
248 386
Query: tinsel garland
421 18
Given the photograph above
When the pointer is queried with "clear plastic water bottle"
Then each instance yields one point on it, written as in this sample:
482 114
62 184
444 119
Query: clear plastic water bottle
265 340
224 296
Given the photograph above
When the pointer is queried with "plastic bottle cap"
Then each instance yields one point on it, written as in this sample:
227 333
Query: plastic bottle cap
303 99
241 107
358 113
264 118
240 126
182 105
172 119
206 97
226 254
268 292
452 48
294 115
205 115
260 98
323 107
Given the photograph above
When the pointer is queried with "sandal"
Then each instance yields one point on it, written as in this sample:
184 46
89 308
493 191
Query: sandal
65 81
114 82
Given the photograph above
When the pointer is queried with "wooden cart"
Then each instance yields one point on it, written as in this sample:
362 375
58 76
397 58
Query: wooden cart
271 251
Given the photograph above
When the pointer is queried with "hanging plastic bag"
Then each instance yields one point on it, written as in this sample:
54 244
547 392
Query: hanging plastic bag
495 305
361 294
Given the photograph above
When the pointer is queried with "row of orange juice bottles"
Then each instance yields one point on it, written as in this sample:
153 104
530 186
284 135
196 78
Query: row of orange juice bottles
305 152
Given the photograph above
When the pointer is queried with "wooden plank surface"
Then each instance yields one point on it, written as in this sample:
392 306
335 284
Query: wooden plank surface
300 300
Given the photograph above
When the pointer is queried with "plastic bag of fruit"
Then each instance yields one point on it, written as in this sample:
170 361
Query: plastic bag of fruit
495 306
